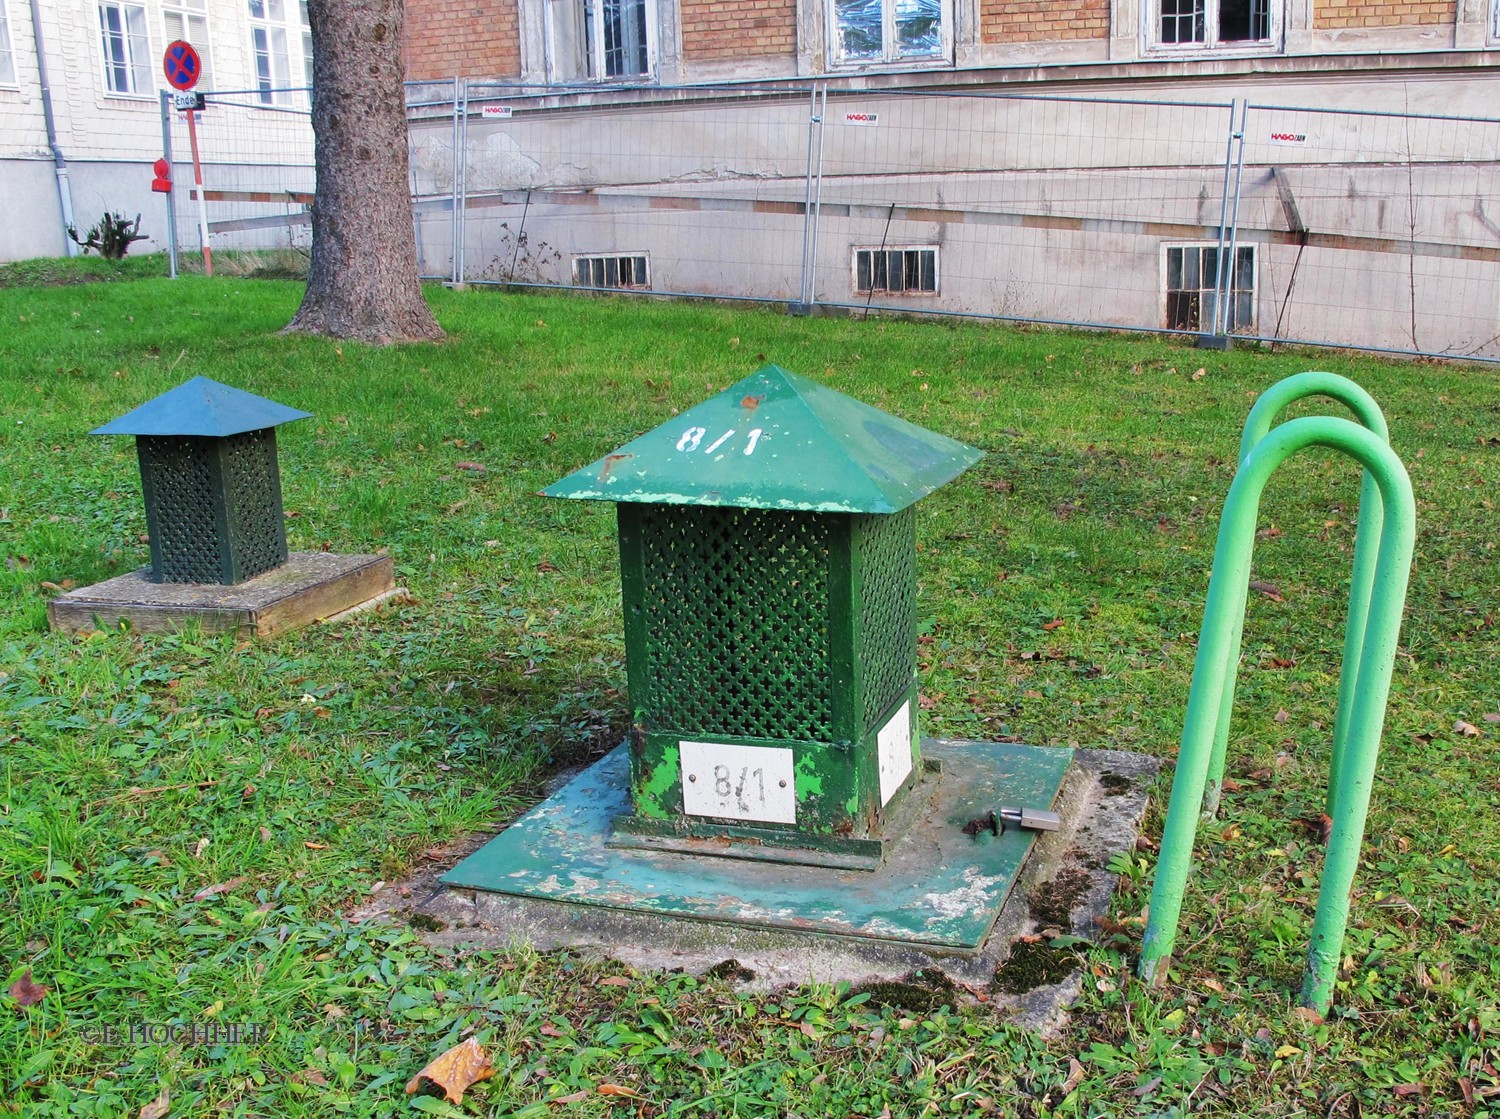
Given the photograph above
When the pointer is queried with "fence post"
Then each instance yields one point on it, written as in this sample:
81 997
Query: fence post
817 200
463 179
803 306
1215 338
1226 296
171 197
453 192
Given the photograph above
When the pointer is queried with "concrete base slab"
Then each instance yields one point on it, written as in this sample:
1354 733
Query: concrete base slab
309 587
1064 888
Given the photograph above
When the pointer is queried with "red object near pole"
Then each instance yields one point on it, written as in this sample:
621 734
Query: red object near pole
162 184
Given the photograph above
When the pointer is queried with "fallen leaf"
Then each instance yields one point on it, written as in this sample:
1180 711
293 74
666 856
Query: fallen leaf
1199 374
455 1071
1320 825
1468 730
549 1030
572 1097
1285 1051
1281 716
1214 985
157 1107
546 566
265 834
926 702
311 1076
1491 717
1056 624
1309 1015
1407 1090
1270 590
25 992
1075 1076
620 1090
614 981
477 467
202 845
311 846
218 888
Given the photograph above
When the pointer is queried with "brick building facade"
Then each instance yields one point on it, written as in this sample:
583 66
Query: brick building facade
689 41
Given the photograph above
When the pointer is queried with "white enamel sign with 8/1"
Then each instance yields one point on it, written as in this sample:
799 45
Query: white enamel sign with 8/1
738 782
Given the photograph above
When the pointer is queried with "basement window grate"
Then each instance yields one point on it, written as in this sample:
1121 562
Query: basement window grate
907 270
632 270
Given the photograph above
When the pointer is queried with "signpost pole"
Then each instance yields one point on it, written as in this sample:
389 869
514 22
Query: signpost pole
166 153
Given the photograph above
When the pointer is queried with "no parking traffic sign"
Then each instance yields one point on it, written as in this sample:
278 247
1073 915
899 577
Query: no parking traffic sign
182 65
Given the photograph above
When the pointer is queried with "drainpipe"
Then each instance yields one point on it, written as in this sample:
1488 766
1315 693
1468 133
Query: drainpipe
64 191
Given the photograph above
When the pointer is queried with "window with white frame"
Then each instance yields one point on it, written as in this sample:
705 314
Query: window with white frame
268 49
127 51
188 20
1193 283
875 31
7 56
596 40
307 56
906 270
1215 23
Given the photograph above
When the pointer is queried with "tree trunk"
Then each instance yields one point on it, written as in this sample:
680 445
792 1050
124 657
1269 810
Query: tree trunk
362 282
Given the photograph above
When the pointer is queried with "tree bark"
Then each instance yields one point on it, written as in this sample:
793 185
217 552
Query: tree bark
362 282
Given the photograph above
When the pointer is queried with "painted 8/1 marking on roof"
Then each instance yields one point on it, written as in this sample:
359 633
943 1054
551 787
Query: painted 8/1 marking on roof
693 437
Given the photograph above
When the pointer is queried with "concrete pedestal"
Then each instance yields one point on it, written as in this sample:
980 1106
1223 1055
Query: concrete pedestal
309 587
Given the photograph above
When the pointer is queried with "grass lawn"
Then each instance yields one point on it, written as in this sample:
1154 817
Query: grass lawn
186 821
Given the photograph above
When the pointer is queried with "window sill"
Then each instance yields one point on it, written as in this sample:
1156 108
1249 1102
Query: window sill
902 67
132 98
1200 50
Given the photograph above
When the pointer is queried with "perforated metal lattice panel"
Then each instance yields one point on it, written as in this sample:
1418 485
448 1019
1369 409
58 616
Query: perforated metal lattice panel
182 498
213 506
252 491
886 556
736 605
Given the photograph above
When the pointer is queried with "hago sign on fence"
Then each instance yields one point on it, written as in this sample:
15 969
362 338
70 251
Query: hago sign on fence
182 65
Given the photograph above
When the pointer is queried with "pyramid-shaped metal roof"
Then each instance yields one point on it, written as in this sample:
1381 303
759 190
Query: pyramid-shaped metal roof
777 441
202 407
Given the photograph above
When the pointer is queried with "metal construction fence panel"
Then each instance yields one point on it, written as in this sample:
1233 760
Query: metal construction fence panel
1026 207
1197 217
693 192
1374 229
255 154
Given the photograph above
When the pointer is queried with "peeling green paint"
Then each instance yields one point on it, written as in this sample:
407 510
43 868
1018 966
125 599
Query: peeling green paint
775 440
938 887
